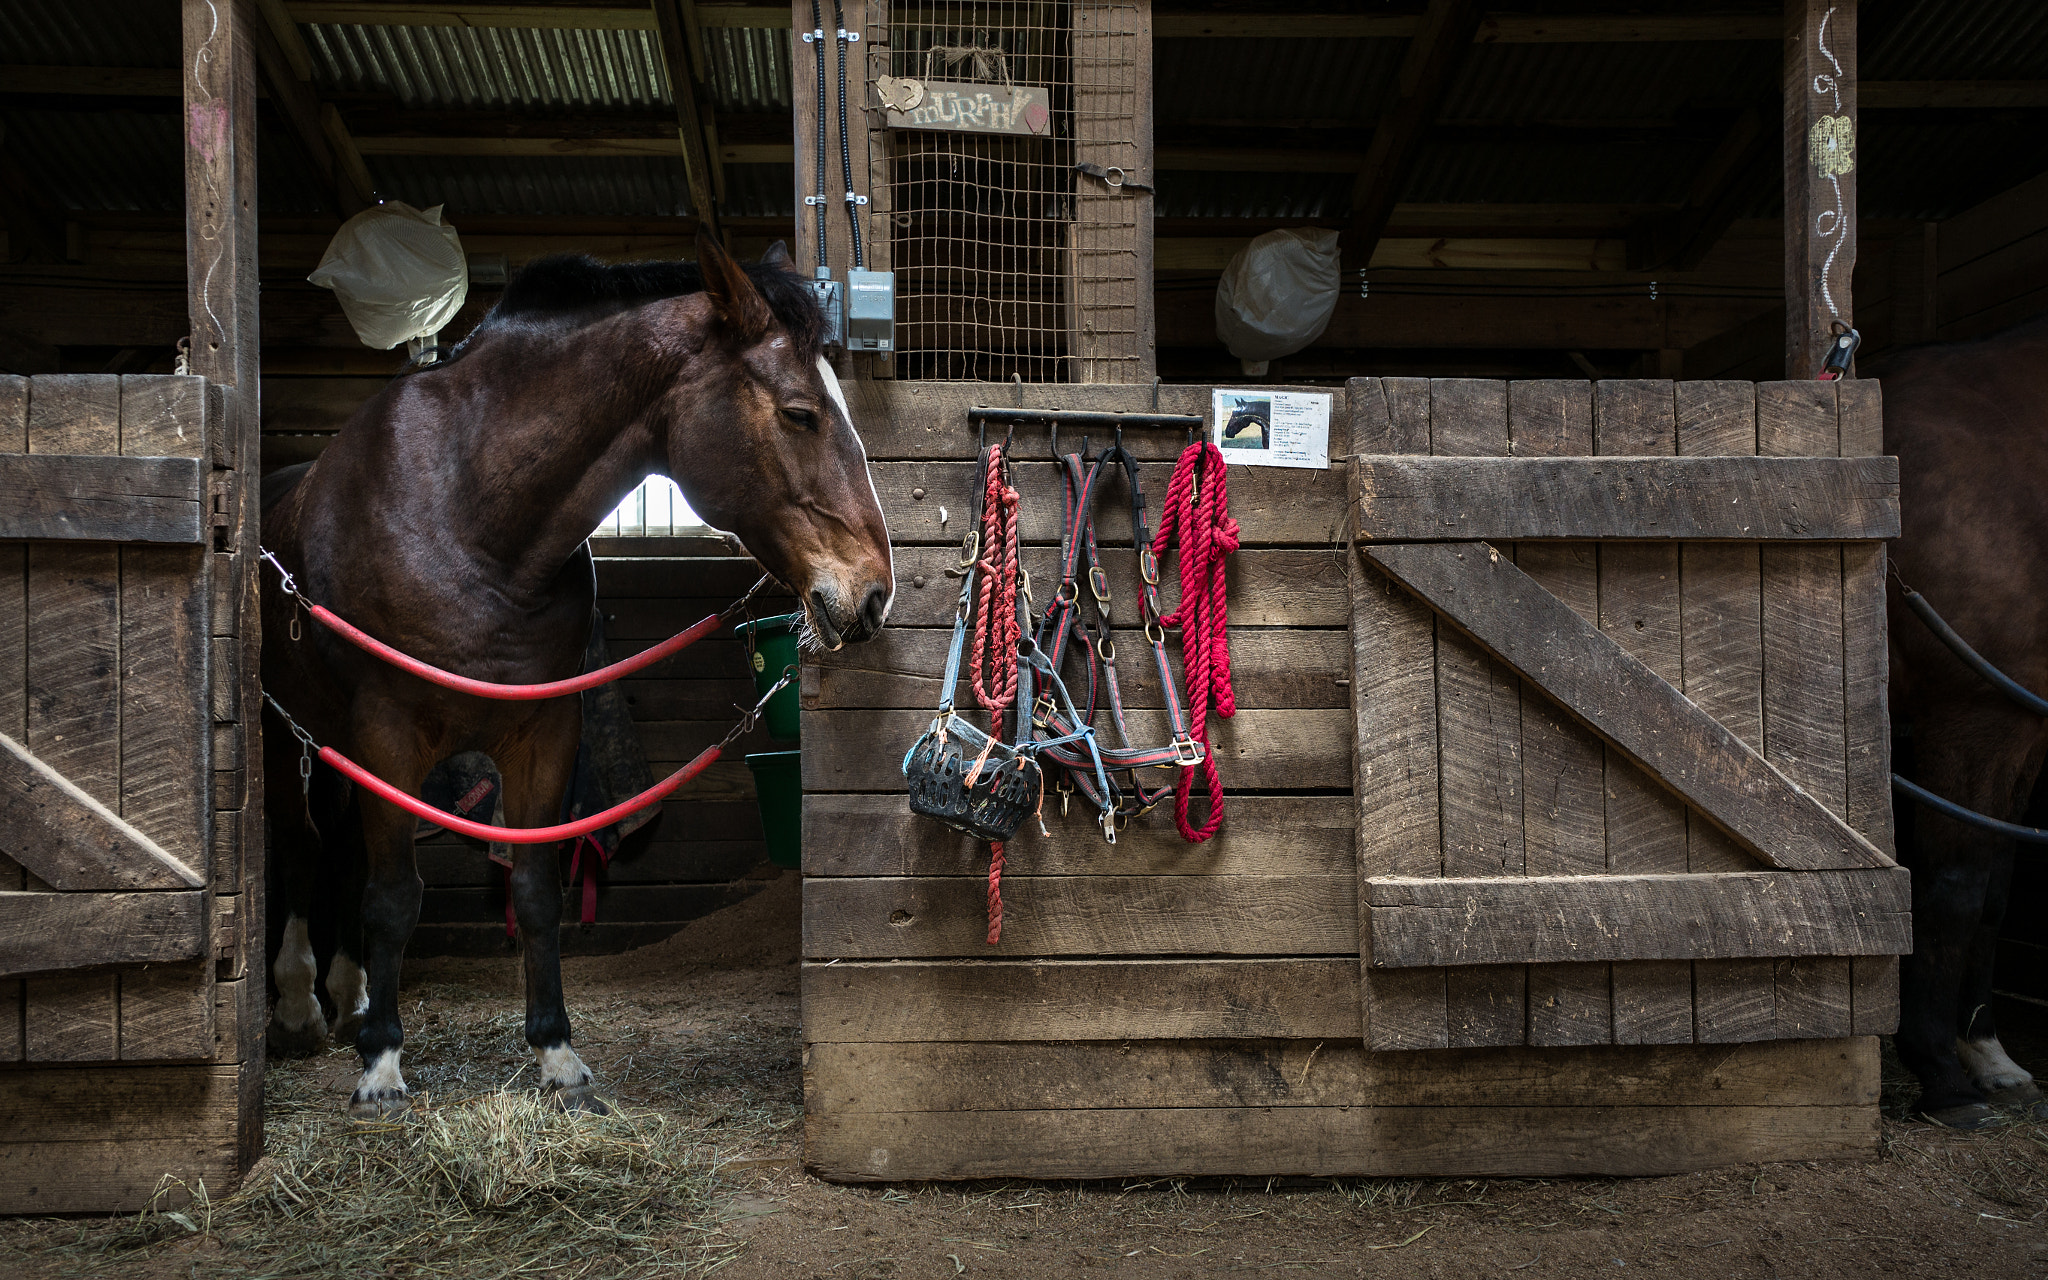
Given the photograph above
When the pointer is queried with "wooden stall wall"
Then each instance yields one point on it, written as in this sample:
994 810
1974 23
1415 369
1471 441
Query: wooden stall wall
130 1013
1161 1008
707 851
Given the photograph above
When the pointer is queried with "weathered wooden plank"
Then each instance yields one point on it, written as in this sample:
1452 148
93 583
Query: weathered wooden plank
1660 499
44 932
919 1000
72 841
877 835
1423 921
102 499
1271 668
1874 995
71 1017
1563 764
1259 750
1394 707
1264 586
1734 1001
1634 708
13 681
116 1104
1640 611
1865 652
1813 997
860 918
1329 1142
1479 736
112 1177
167 1011
1273 506
844 1079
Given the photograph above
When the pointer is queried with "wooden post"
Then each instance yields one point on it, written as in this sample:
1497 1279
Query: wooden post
1110 308
869 19
1820 177
220 283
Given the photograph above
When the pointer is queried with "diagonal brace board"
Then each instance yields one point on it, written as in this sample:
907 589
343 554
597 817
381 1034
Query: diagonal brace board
71 841
1696 499
102 499
1723 915
1633 708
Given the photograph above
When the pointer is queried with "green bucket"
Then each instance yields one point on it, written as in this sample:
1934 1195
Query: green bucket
771 648
779 790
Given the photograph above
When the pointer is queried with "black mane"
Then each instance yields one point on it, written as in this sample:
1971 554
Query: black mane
578 289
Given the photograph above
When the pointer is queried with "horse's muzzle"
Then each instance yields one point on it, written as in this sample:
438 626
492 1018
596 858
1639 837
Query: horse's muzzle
865 624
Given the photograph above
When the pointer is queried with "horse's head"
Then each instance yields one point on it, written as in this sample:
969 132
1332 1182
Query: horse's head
761 442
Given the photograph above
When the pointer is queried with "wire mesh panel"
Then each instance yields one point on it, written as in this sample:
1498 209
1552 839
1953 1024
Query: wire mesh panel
1008 260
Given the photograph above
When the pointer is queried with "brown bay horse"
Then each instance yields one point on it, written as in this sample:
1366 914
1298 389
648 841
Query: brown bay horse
1969 423
449 519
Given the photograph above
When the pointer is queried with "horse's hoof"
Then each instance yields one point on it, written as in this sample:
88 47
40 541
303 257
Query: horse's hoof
1969 1116
2021 1095
378 1104
295 1042
580 1097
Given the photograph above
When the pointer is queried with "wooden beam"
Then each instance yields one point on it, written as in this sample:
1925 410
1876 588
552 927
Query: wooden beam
1728 915
702 167
1615 694
1820 178
1434 55
1738 499
98 498
287 70
348 157
35 229
1502 28
71 841
130 82
50 932
1422 253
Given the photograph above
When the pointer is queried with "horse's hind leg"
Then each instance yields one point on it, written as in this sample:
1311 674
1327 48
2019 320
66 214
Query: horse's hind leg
347 984
2002 1080
297 1027
536 774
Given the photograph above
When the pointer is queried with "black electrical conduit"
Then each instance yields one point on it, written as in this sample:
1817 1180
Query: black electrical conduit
818 39
845 147
2005 684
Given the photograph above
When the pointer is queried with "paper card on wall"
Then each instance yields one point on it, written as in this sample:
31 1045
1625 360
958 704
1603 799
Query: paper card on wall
1273 428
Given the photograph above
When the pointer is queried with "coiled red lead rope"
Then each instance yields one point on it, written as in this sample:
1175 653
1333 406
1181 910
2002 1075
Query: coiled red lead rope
996 633
1197 513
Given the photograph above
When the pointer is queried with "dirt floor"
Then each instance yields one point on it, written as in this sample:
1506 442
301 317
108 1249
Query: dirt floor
698 1038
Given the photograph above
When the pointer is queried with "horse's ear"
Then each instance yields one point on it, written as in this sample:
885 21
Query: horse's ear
739 303
778 256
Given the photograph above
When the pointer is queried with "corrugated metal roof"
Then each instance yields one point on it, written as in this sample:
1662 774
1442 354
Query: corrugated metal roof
747 68
1978 40
502 67
128 161
1189 194
1273 79
1636 81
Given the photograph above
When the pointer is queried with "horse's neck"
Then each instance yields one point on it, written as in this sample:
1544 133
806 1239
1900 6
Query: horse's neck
545 453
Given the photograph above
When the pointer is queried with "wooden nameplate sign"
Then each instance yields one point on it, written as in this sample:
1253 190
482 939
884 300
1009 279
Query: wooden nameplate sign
964 107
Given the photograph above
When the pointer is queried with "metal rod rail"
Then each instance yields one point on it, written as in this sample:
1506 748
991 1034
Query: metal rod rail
1081 418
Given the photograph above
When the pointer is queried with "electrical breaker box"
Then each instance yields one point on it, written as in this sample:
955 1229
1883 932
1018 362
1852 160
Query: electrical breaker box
870 311
832 302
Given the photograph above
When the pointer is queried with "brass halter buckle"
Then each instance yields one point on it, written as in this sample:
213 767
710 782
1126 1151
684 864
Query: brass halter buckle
1187 753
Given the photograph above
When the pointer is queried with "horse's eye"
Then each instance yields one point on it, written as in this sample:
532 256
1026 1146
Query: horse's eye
802 417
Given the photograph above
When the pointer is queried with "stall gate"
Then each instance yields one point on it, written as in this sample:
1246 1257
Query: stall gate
129 1027
1557 840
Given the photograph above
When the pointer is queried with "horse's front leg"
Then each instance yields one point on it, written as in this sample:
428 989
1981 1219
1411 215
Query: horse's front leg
391 908
536 773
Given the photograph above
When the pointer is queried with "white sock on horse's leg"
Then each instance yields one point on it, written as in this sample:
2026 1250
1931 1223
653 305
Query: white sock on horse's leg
1989 1067
297 1014
560 1068
349 987
380 1091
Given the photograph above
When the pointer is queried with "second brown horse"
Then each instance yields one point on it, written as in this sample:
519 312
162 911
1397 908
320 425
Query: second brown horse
449 520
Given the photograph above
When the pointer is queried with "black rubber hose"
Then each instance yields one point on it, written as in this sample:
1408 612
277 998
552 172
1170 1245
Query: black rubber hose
818 38
845 147
2031 835
2004 683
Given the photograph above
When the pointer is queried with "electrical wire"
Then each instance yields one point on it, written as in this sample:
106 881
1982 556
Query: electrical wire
845 147
818 39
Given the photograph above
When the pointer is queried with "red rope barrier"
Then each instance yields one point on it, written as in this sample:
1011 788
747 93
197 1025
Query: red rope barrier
514 692
1197 512
520 835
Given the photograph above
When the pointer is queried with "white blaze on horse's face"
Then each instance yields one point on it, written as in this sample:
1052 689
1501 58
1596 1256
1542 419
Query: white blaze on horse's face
837 394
